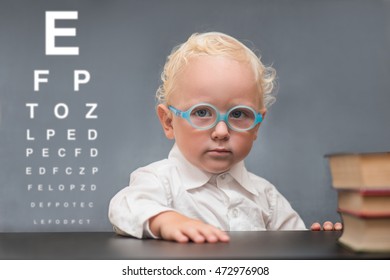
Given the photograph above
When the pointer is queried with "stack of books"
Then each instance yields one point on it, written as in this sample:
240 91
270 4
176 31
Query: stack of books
363 185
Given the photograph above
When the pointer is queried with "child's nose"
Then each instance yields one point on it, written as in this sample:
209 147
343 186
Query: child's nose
221 131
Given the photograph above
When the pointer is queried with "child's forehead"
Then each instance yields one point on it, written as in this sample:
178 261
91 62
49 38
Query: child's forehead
215 59
216 72
216 80
210 68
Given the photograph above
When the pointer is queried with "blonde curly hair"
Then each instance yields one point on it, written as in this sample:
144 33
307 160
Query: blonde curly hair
215 44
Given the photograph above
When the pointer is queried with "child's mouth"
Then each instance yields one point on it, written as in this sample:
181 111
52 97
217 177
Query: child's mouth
219 152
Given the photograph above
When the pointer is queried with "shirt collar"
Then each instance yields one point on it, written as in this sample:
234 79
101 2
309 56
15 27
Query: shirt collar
242 176
193 177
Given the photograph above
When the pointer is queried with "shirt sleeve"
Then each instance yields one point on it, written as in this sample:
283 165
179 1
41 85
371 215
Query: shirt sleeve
283 216
132 207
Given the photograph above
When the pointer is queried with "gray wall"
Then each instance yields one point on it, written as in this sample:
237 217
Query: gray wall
333 64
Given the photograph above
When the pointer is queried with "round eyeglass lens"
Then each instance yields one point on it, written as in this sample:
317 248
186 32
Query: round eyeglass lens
203 116
241 118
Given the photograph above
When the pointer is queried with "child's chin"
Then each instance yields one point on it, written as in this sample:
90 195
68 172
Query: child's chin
217 169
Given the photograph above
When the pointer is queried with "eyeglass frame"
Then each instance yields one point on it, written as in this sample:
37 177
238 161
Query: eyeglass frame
220 117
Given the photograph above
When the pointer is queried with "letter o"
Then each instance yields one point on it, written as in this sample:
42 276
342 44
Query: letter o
65 109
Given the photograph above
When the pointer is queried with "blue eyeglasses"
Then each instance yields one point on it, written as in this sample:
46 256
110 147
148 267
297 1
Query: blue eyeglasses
205 116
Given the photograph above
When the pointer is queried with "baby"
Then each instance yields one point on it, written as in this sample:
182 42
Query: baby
212 101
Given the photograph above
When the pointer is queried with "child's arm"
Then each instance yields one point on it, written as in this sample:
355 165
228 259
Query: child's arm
327 226
173 226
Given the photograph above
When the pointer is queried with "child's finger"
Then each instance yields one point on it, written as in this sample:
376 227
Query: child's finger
209 234
315 227
179 237
338 226
211 238
194 234
328 226
223 236
212 234
216 235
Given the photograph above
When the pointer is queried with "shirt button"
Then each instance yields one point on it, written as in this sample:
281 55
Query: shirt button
235 213
223 176
165 182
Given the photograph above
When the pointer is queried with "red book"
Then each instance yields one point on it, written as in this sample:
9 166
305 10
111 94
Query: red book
365 202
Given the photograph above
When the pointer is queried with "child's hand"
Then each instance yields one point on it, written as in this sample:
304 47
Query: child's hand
327 226
176 227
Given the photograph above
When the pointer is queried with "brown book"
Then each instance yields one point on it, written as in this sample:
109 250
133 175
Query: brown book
364 234
360 171
365 202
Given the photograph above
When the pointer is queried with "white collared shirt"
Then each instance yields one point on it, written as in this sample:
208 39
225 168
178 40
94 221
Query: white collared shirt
236 200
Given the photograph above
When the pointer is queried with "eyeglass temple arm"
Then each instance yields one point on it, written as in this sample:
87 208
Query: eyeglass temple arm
175 111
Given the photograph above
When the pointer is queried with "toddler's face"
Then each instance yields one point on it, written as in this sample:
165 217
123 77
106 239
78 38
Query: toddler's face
224 83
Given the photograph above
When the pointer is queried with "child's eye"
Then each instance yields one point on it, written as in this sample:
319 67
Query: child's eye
238 114
202 113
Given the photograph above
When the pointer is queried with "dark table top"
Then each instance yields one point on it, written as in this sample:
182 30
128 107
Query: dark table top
243 245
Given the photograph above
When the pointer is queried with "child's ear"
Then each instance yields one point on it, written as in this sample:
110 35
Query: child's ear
262 112
165 117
